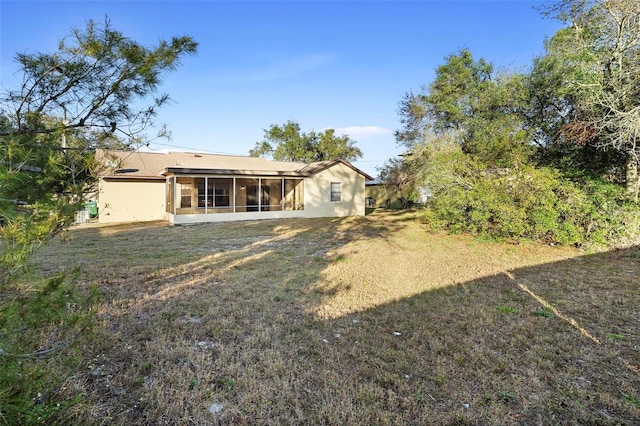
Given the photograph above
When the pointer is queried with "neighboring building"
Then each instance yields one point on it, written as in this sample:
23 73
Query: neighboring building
184 187
378 194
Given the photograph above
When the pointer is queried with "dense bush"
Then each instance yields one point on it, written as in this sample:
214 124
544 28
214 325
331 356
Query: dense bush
527 202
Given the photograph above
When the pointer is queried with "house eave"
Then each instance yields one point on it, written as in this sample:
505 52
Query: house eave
320 166
132 177
230 172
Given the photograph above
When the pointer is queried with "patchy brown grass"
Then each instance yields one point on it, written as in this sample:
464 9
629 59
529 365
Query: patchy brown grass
366 320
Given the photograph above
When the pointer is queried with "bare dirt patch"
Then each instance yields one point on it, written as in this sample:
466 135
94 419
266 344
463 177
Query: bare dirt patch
367 320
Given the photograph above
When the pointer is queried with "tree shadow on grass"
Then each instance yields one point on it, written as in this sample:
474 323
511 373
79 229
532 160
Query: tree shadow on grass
553 343
168 290
229 314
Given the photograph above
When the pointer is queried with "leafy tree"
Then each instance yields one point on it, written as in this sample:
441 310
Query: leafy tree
553 114
483 110
454 96
288 143
597 61
497 133
493 149
84 95
448 102
468 106
558 125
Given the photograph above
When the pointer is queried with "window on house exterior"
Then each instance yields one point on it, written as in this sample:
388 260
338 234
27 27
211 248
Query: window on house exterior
221 193
185 197
169 194
185 185
294 194
271 196
247 195
336 192
210 187
213 193
202 197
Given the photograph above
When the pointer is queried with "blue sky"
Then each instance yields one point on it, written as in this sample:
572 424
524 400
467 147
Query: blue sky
324 64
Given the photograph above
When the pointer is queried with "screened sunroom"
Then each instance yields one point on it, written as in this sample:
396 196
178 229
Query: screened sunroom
213 194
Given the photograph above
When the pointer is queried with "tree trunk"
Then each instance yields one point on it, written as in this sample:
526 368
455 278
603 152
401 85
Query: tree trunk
632 178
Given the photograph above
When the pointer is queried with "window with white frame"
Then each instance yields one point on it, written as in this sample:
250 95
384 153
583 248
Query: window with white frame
336 192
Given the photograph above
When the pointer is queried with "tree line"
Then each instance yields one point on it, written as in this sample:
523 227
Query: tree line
551 154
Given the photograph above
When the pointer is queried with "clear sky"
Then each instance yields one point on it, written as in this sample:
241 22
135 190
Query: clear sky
324 64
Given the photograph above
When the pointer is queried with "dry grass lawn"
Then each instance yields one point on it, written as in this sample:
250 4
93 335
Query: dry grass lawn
369 320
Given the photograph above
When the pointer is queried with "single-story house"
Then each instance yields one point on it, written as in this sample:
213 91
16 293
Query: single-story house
184 187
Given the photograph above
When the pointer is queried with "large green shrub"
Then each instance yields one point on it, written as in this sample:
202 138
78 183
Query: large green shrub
536 204
610 216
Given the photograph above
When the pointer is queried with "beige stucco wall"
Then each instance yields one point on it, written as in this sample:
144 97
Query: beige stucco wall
383 195
131 200
317 193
